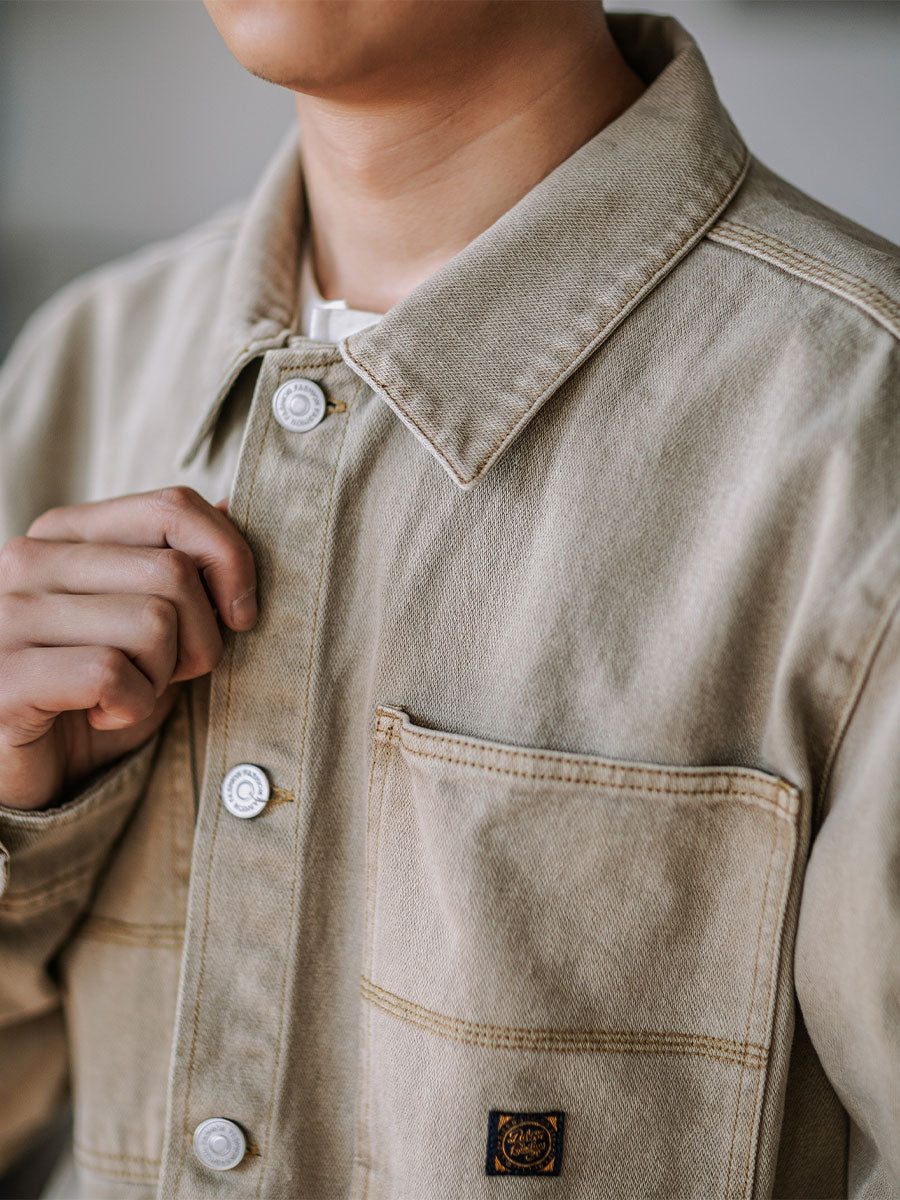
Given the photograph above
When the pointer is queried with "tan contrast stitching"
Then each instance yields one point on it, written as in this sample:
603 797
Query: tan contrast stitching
390 728
27 897
752 1005
135 1158
104 929
857 290
773 971
121 1174
564 1041
292 900
594 340
373 843
776 806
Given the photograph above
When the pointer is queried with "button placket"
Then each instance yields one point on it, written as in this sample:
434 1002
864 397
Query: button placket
243 901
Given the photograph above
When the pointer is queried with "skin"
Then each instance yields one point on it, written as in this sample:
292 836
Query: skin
105 609
421 123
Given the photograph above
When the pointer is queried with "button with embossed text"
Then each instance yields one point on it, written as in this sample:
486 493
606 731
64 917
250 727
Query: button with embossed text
245 790
298 405
219 1143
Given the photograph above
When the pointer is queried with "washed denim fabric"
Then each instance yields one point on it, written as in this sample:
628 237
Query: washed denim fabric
577 681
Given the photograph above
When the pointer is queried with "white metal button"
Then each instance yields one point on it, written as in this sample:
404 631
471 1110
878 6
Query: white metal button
245 790
298 405
219 1143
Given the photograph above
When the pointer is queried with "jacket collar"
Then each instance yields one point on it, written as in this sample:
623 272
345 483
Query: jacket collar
469 356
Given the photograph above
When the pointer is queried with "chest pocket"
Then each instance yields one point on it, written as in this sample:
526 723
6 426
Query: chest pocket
552 933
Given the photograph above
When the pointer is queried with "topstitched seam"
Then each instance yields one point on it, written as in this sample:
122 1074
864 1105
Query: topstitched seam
264 1134
474 1035
827 268
856 290
752 1004
63 880
120 1175
137 1158
168 941
712 1041
371 902
713 793
133 926
389 728
591 344
773 971
116 797
811 268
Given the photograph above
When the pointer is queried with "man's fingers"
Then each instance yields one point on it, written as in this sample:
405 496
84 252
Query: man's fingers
143 627
39 683
33 565
176 517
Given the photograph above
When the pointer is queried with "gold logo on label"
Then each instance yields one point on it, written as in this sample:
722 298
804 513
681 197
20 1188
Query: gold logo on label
524 1143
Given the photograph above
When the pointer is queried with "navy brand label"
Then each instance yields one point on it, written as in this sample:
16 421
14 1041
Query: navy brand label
524 1143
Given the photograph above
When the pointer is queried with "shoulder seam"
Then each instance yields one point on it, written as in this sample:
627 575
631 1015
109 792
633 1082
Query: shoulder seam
853 288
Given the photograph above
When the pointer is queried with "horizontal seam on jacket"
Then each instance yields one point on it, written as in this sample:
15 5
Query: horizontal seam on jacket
29 900
95 930
87 806
721 793
855 289
388 728
615 1041
595 339
120 1173
135 1158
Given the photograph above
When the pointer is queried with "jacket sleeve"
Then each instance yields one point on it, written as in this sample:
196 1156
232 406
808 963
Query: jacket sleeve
50 860
847 965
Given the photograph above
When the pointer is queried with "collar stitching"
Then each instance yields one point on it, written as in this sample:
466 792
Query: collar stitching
695 236
623 312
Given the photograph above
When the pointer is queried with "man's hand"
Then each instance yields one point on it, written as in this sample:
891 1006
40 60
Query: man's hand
104 609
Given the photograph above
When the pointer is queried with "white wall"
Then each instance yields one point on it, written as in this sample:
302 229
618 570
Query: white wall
122 121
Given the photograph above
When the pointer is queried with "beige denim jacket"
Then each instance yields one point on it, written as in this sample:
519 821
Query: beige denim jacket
576 684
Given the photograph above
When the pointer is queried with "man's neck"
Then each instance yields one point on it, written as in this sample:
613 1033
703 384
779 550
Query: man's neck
396 188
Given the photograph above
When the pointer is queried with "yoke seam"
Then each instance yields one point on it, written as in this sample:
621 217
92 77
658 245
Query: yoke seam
855 289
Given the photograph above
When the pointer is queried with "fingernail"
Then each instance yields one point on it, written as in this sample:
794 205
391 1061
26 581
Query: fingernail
243 609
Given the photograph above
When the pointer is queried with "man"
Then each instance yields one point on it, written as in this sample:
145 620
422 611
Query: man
507 784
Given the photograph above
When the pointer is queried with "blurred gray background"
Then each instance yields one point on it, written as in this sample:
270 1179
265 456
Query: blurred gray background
122 121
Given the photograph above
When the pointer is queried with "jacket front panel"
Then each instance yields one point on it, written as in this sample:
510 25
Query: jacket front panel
565 608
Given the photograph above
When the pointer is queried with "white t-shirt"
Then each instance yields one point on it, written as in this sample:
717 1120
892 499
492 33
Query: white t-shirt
326 320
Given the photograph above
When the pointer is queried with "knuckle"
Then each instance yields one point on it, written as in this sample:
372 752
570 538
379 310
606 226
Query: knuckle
177 568
158 619
16 556
110 670
177 499
12 608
